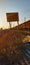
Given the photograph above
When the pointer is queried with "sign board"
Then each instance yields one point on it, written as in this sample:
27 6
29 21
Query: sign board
11 17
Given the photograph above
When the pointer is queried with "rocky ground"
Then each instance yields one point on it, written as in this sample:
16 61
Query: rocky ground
14 44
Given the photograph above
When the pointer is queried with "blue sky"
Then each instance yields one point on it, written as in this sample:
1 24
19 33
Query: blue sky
21 6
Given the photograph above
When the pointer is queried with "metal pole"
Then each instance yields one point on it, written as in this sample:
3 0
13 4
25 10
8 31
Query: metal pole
18 22
10 24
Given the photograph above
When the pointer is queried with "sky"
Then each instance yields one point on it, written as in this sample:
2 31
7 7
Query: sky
20 6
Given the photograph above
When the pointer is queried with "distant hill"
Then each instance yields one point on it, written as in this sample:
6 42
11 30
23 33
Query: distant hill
25 25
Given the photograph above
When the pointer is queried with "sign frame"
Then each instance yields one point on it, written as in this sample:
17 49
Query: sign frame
13 16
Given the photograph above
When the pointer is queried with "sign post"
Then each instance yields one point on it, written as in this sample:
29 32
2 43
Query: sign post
10 24
11 17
